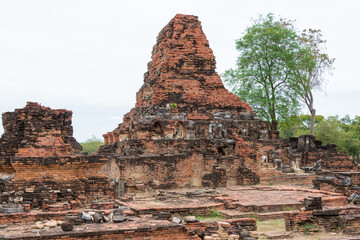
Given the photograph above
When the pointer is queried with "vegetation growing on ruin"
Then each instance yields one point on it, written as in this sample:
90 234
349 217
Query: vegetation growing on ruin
214 215
306 228
288 208
254 216
91 145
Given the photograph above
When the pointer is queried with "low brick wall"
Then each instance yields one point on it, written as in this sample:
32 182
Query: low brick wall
330 220
141 229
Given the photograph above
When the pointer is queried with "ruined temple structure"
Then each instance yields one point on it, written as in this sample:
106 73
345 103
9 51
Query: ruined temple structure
187 130
40 159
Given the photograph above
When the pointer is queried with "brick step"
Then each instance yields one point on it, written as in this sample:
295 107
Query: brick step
268 208
352 230
271 215
175 206
233 213
335 201
277 235
288 179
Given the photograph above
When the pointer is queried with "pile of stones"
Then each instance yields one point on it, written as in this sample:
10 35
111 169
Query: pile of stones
12 197
216 230
354 198
47 224
117 216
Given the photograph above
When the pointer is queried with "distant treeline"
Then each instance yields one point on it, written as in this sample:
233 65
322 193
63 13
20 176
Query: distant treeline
344 132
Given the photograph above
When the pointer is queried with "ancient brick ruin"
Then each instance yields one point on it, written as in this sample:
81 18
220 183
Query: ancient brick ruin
188 130
186 136
40 160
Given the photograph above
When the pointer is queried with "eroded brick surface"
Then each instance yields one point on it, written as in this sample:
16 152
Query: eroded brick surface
40 161
37 131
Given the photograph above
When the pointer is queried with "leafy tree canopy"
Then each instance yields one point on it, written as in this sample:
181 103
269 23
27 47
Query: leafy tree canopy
264 73
278 68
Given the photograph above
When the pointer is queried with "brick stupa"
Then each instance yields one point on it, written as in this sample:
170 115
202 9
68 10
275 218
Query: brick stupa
185 117
181 77
187 130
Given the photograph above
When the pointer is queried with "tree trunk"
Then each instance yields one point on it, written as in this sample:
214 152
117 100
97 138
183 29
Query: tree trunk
312 123
274 125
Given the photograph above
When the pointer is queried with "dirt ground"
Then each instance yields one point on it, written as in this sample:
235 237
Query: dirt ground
272 228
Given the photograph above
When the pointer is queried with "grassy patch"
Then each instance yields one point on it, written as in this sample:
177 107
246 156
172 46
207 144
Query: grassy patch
289 208
275 225
254 216
306 228
214 215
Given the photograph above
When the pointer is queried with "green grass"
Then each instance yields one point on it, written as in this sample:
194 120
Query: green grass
306 228
275 225
254 216
214 215
289 208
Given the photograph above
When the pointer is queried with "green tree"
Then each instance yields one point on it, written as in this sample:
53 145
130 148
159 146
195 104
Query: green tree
352 128
264 76
91 145
309 74
335 131
295 125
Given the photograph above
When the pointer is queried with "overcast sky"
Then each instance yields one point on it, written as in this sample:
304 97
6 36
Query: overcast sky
90 56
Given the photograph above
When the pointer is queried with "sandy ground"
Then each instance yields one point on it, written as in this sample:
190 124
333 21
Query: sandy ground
277 227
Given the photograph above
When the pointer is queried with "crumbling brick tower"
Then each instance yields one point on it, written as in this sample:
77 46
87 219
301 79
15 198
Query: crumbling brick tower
41 159
37 131
186 128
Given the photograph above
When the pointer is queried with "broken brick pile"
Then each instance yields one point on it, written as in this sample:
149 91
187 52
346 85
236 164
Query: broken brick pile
332 219
187 130
37 131
40 161
346 183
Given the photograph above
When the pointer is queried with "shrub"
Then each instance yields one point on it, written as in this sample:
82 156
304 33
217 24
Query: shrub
91 144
